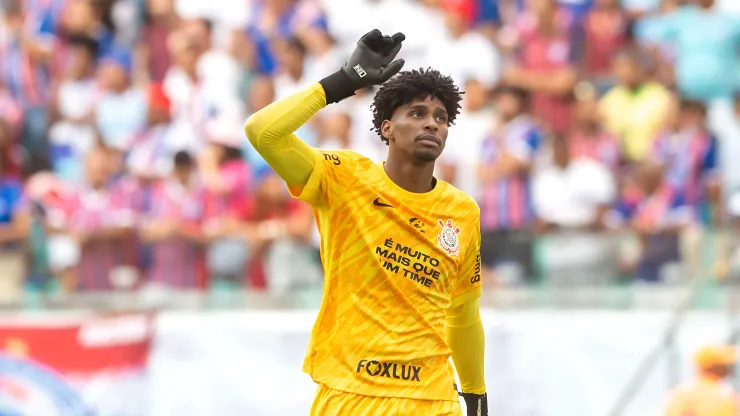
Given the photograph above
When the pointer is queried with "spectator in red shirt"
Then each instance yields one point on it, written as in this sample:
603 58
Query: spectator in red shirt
278 229
101 223
607 30
547 43
160 21
173 227
227 179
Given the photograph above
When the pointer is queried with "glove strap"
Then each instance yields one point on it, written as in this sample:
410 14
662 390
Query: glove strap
337 87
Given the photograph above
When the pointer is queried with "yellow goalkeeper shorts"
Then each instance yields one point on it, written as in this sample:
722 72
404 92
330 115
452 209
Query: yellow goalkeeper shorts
329 402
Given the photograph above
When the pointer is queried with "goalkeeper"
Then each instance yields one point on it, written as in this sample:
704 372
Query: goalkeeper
400 249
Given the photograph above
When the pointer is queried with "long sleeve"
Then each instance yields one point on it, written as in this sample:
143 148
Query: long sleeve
270 131
467 341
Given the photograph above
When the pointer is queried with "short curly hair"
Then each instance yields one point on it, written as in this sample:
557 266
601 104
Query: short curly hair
411 85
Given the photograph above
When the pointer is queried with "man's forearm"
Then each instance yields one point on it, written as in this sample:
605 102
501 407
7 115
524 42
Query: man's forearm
271 129
559 83
11 233
108 234
467 342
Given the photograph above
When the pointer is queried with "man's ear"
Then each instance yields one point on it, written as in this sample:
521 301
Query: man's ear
386 129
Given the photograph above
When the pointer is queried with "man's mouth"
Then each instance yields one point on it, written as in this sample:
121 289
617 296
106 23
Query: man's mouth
429 139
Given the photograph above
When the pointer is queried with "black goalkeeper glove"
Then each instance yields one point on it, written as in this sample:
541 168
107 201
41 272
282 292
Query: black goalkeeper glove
477 404
371 63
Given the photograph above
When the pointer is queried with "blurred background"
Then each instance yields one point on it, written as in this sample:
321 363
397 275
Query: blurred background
151 263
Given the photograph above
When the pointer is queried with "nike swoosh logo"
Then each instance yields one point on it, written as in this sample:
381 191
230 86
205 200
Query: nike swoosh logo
377 203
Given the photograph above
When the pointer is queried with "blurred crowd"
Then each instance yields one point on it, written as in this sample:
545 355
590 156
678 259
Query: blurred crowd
124 165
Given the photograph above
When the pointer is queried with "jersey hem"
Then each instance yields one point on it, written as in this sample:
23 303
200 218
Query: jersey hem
385 396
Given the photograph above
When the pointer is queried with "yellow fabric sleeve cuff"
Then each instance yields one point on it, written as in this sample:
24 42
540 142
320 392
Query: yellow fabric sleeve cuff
270 131
467 342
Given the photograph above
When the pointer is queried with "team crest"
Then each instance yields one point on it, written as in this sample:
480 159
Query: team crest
447 238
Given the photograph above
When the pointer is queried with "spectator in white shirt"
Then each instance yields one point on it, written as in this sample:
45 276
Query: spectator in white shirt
73 135
181 84
292 71
724 120
121 109
570 200
363 137
219 73
464 53
462 152
350 19
335 131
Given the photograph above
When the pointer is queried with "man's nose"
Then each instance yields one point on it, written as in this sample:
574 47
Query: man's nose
431 124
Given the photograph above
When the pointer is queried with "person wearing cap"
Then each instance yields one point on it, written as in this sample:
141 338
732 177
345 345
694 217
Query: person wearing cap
708 395
151 155
452 51
121 110
72 134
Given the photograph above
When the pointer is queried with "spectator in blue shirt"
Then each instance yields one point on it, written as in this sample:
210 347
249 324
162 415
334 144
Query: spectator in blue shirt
280 18
705 43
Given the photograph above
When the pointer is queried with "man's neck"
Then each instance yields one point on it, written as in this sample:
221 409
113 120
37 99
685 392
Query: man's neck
97 187
119 90
635 88
413 177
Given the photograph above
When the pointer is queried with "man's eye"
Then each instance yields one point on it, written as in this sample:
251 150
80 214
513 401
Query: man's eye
442 119
416 114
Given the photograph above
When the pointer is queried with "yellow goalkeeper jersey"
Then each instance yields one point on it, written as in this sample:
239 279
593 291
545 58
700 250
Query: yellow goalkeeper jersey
394 261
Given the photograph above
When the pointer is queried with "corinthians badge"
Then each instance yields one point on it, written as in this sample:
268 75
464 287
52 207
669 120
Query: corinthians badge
447 238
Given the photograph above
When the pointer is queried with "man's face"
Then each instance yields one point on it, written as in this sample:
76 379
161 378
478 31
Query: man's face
80 63
476 95
261 94
160 7
289 57
97 167
418 129
586 112
79 16
182 174
508 105
626 71
544 10
199 34
607 3
692 118
112 77
271 190
649 176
